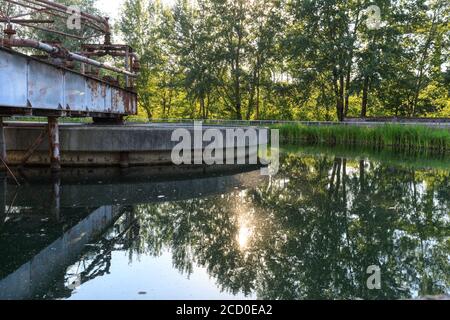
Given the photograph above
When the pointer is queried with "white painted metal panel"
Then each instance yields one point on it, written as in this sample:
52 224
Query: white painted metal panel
13 80
75 92
45 86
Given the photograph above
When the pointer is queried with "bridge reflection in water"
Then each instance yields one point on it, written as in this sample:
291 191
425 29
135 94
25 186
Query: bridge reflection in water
310 232
51 222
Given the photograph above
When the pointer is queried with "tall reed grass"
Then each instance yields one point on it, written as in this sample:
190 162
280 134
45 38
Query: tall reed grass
398 137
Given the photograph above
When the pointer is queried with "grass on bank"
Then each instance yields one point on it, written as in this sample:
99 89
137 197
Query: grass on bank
397 137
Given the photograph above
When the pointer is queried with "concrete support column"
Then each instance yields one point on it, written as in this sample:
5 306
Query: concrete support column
3 189
53 135
3 153
2 140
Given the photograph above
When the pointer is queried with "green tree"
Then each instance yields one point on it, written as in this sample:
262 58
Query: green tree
290 59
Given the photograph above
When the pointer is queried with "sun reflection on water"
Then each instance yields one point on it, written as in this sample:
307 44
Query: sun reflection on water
245 219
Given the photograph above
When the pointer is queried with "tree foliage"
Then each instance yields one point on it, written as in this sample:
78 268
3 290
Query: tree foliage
290 59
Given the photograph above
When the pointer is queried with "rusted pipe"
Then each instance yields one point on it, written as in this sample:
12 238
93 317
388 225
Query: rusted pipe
69 55
19 21
27 43
99 64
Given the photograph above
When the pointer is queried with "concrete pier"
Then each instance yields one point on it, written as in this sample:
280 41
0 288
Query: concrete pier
53 138
95 145
2 141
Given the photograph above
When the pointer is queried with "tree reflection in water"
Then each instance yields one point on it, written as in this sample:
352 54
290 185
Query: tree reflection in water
312 231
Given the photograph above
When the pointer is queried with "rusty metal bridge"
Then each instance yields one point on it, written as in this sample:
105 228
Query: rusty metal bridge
43 78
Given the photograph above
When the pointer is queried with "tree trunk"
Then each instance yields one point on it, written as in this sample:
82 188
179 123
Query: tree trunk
251 100
341 96
164 107
258 95
347 90
365 97
237 84
202 107
338 84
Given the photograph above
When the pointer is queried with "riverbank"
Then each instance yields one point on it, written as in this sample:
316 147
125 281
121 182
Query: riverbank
395 137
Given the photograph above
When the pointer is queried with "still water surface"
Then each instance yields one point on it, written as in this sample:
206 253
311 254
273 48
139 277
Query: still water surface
311 231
